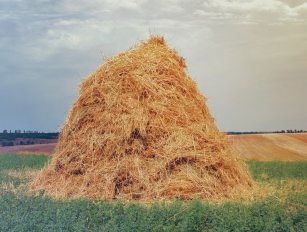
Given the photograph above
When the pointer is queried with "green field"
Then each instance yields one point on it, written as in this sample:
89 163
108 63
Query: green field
283 209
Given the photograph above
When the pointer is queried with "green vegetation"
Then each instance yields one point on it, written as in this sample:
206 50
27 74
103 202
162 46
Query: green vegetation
32 135
25 138
17 162
21 212
278 170
37 214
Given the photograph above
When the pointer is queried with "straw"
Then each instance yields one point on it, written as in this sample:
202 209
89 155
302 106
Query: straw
141 130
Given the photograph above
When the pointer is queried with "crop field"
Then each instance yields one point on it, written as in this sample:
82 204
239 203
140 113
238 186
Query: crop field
278 204
268 147
30 149
260 147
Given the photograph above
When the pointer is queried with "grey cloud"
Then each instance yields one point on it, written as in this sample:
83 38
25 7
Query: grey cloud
254 11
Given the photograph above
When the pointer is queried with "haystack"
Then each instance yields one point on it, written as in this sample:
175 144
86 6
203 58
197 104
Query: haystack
141 129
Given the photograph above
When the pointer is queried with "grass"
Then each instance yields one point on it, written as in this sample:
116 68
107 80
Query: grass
21 212
17 162
37 214
278 170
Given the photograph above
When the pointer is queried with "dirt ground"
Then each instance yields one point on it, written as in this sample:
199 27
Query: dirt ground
261 147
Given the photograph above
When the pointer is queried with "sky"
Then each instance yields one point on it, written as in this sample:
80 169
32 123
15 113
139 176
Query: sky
249 58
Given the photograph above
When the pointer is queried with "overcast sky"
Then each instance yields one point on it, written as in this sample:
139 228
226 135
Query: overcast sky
249 58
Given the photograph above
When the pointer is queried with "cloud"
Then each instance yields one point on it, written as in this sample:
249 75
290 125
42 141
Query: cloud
48 47
252 10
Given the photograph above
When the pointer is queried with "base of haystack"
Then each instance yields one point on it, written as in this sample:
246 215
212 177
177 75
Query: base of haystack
183 183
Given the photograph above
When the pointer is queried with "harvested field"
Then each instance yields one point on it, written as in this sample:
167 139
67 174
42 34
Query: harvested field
300 136
30 149
267 147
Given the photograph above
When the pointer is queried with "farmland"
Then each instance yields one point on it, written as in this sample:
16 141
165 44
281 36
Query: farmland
282 208
30 149
268 147
261 147
277 204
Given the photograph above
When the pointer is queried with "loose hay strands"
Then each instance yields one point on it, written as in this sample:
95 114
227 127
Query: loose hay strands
140 129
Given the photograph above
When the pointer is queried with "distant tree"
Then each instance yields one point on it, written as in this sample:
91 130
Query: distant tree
7 143
10 143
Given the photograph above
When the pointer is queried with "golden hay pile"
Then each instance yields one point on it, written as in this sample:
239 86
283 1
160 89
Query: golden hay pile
140 129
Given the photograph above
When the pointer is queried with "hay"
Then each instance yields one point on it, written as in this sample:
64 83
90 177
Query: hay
140 129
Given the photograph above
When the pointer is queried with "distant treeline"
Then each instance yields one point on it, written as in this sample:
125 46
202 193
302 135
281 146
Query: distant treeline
5 135
264 132
17 134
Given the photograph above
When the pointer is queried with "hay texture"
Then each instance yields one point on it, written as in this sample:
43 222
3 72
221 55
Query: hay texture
140 129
